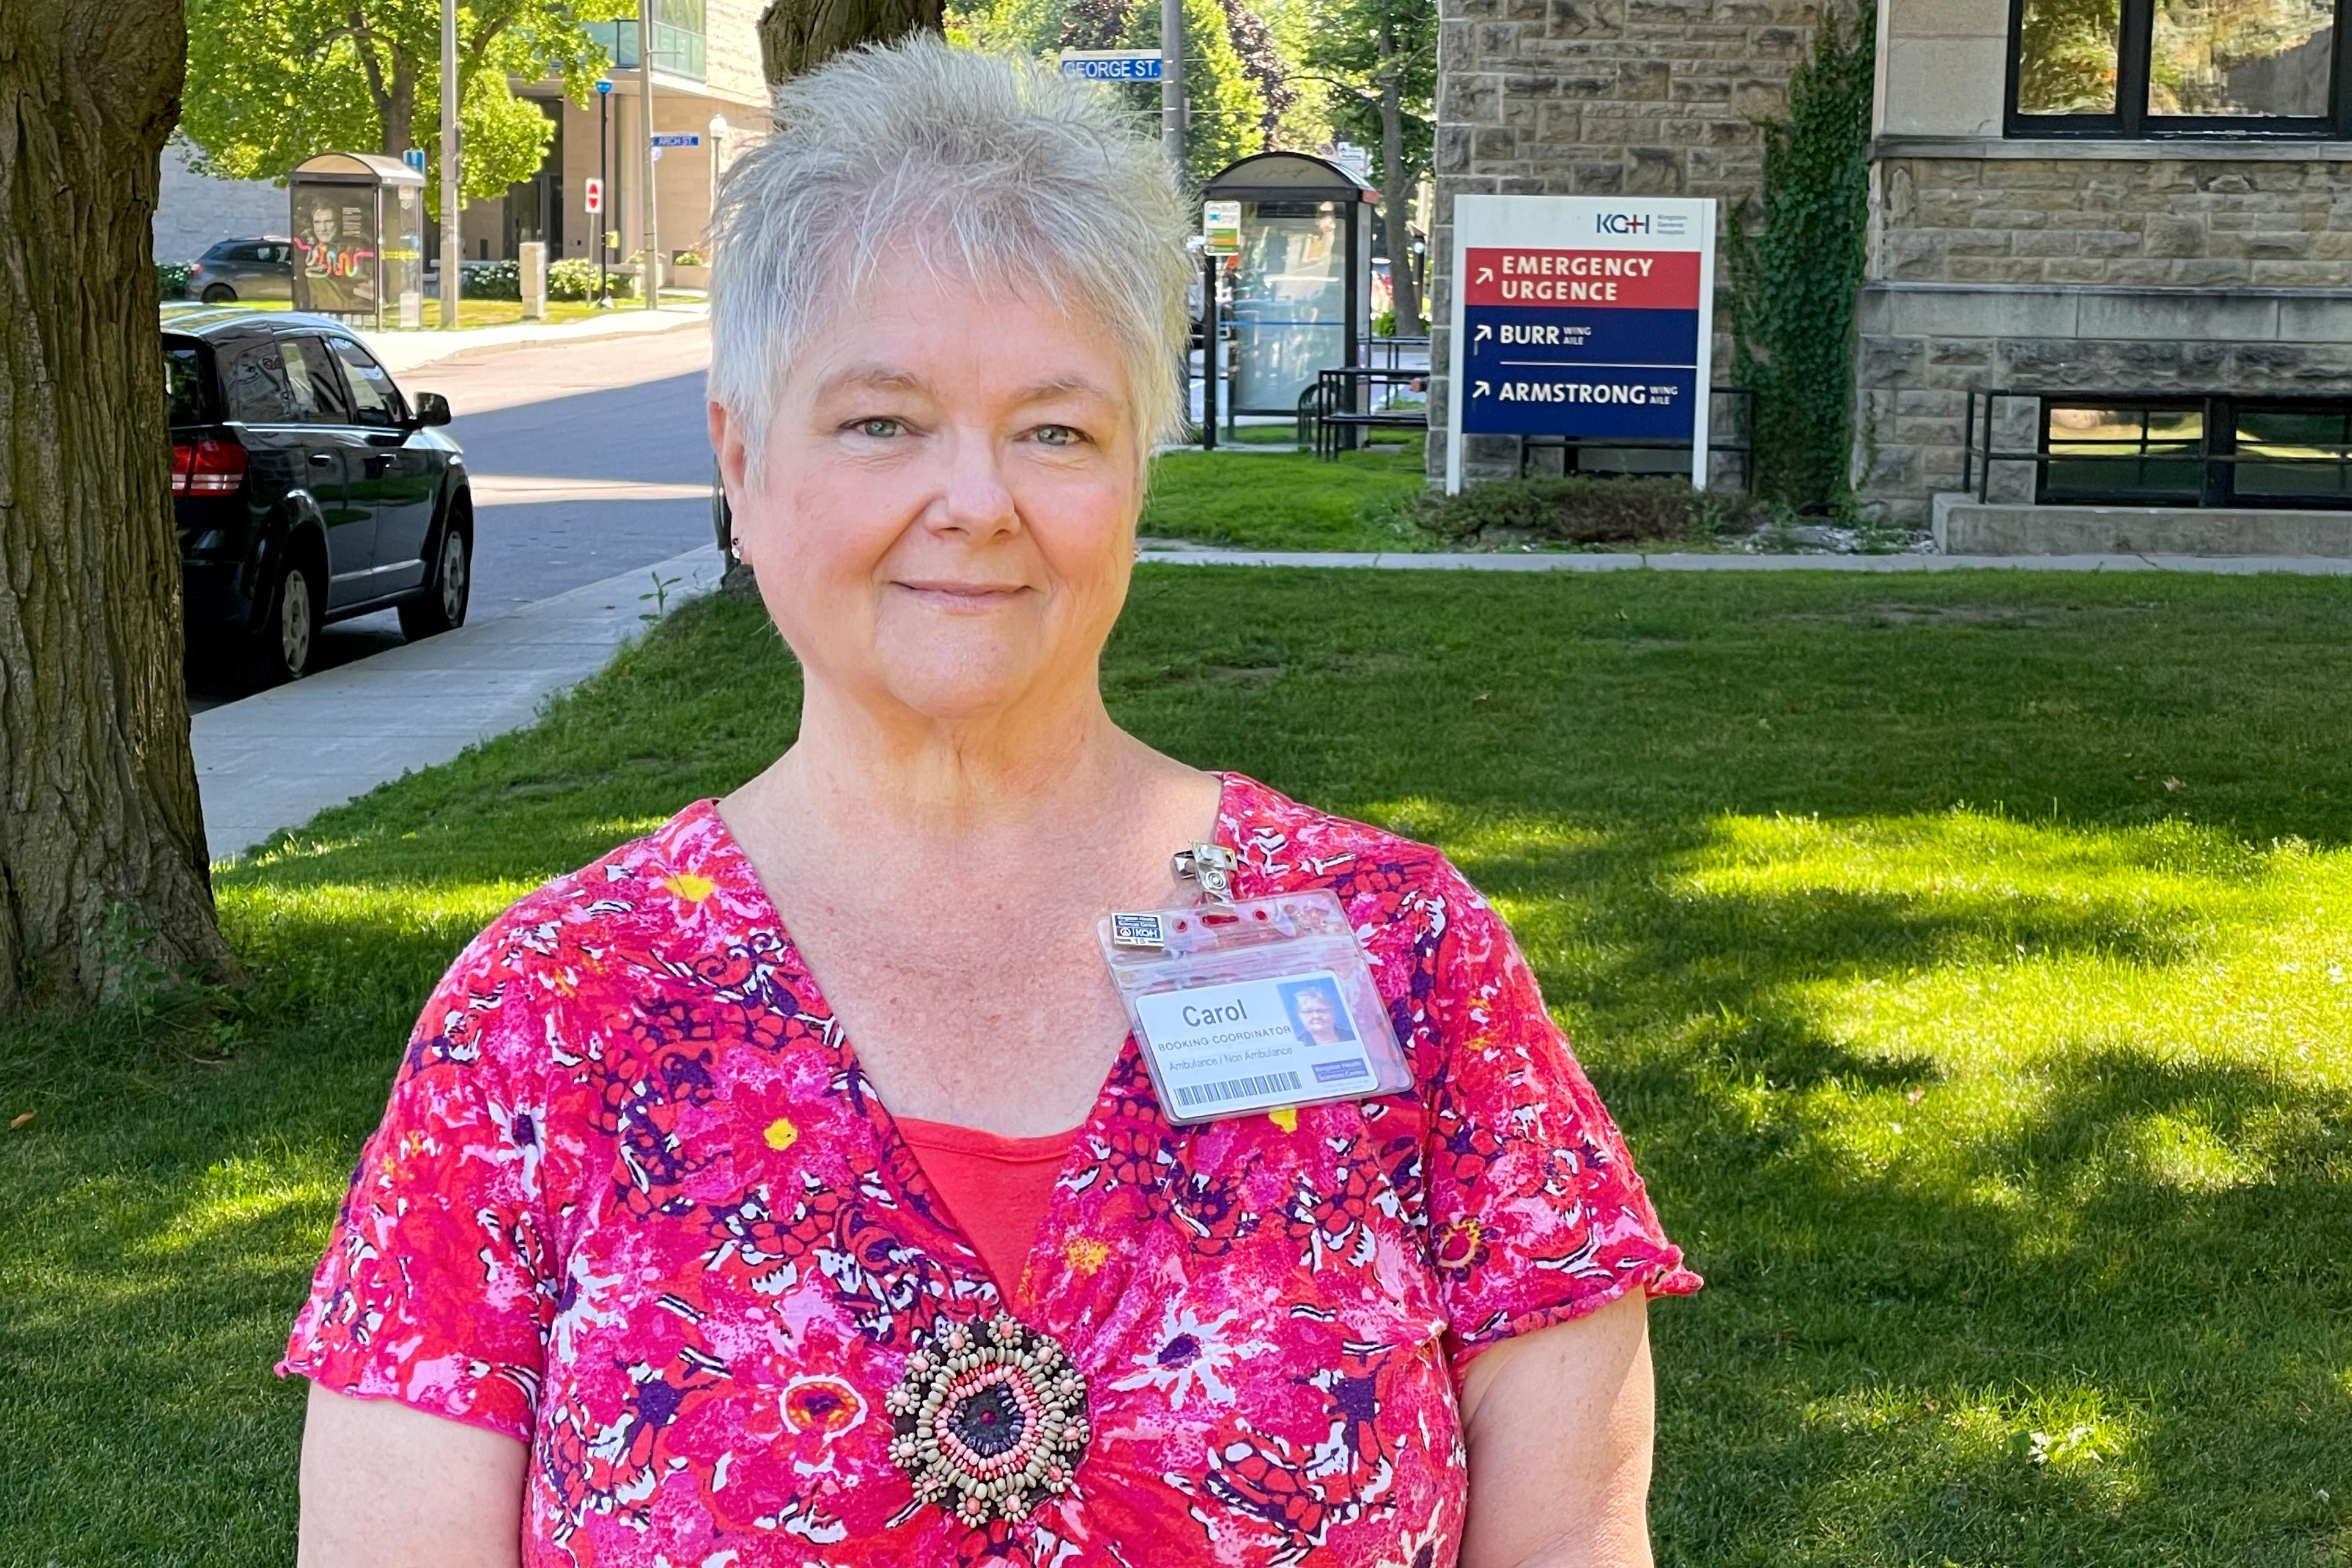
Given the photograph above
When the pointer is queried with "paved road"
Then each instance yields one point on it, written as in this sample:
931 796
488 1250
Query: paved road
588 459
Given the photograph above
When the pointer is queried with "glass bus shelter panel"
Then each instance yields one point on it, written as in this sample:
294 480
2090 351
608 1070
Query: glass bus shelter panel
1290 301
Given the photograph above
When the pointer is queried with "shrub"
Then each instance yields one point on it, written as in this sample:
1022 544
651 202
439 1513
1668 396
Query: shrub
574 277
174 276
1384 324
688 259
1585 509
493 280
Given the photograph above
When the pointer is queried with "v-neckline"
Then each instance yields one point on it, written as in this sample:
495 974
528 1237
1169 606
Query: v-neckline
900 1164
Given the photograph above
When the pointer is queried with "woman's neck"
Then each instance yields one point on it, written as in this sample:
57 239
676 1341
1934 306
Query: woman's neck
955 801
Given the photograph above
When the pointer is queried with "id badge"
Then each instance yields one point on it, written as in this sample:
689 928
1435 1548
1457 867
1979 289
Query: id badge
1255 1005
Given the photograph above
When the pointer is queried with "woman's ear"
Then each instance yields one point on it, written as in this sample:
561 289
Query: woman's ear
727 442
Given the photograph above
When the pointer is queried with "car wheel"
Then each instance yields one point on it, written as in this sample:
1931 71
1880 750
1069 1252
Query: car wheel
442 607
220 294
289 637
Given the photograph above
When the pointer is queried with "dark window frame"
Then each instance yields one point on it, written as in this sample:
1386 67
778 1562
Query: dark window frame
2134 42
2217 457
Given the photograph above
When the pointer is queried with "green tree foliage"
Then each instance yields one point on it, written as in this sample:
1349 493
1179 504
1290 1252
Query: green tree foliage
1793 282
1236 85
1377 59
272 83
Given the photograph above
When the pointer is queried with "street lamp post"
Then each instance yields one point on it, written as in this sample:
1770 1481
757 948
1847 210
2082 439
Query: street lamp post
450 243
718 129
649 273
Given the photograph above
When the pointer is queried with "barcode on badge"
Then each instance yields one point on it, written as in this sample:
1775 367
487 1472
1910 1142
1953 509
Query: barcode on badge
1192 1094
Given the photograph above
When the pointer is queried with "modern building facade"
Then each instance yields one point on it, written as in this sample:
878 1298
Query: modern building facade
706 83
2132 219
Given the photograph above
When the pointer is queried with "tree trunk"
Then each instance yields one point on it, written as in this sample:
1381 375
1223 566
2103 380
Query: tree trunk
103 879
1396 194
798 35
400 108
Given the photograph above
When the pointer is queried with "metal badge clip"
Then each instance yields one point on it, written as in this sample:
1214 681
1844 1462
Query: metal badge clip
1212 867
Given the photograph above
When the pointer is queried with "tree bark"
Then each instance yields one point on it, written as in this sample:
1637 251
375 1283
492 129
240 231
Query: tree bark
1396 197
103 874
798 35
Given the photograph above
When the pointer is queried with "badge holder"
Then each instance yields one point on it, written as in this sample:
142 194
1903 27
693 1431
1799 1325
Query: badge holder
1251 1005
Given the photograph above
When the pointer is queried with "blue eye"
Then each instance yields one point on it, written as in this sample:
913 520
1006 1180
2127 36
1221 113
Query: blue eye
880 429
1058 435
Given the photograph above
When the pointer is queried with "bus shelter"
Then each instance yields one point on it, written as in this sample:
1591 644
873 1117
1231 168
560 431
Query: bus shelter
359 237
1300 288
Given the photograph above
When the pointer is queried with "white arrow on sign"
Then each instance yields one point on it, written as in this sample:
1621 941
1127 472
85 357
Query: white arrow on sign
1485 275
1485 331
1481 388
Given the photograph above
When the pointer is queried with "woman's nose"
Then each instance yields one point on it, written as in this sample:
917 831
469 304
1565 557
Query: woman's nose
975 499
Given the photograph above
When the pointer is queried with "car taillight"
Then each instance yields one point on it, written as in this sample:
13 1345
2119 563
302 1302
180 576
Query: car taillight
195 268
206 467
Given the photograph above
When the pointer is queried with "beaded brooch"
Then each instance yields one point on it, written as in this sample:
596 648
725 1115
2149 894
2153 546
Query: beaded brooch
991 1419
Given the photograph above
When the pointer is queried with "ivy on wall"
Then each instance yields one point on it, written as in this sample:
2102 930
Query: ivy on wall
1794 280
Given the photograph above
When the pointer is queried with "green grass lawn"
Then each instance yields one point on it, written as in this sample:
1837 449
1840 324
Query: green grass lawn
1969 958
1284 500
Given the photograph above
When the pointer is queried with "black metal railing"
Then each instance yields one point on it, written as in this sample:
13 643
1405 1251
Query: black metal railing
1743 446
2205 464
1349 401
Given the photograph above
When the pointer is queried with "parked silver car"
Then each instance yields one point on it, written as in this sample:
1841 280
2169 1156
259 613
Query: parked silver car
261 268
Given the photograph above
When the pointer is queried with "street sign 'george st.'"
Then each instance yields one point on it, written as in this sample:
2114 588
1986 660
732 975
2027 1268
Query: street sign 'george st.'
1112 65
1589 318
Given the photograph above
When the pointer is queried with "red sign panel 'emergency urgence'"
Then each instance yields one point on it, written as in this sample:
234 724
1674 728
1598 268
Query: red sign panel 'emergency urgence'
1631 280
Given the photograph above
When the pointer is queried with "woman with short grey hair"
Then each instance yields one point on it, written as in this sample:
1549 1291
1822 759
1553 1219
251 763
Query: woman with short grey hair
1164 1172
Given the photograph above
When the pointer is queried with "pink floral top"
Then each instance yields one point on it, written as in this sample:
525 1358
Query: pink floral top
633 1204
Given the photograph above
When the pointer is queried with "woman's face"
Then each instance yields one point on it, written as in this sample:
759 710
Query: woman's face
946 521
1316 1017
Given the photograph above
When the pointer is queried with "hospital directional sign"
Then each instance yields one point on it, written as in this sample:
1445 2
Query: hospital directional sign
1112 65
1584 318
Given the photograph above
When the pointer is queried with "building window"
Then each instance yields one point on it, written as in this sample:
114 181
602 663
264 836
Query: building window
2179 67
679 39
2198 451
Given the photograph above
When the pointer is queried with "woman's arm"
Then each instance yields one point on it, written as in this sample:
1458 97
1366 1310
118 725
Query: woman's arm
1559 1424
384 1486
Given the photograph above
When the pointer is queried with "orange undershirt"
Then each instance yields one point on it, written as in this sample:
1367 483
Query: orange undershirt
995 1187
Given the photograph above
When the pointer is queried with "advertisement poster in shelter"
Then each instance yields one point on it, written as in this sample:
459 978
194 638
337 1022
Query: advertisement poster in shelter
1582 318
335 247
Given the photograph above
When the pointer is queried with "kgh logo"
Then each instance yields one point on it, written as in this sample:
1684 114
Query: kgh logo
1621 223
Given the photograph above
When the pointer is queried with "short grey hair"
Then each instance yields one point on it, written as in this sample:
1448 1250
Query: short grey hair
990 164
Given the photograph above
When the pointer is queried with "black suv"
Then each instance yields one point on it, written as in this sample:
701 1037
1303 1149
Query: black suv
308 488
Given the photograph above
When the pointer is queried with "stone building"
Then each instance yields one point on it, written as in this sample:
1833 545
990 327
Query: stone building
1567 98
2153 245
2136 215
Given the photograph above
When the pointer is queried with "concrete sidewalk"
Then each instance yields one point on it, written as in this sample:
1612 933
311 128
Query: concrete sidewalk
403 351
276 758
1174 555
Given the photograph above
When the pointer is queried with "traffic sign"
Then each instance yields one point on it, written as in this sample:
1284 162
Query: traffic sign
1583 317
415 159
1112 65
604 86
594 190
676 139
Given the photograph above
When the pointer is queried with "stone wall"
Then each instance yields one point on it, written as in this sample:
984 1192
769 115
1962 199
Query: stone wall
2171 222
2121 268
1600 97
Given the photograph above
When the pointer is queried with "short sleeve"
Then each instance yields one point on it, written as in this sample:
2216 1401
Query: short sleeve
1535 1215
435 1289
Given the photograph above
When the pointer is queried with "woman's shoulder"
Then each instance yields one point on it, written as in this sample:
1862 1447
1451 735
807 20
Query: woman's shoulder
579 934
1286 844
